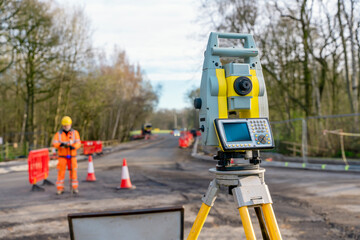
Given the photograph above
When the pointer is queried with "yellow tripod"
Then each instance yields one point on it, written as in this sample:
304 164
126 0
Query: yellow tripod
249 190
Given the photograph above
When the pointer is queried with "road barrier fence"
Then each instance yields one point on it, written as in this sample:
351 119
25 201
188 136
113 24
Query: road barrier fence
314 137
38 162
91 147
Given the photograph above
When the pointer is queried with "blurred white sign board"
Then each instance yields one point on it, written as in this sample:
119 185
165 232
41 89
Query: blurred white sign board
159 223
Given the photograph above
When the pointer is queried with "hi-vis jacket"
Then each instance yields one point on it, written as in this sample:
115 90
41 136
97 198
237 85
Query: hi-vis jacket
72 138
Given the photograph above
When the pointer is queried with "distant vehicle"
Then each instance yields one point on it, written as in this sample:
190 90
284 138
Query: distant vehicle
176 133
145 132
146 129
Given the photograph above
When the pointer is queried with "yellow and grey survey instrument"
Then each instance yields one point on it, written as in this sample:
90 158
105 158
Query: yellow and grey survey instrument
234 117
235 91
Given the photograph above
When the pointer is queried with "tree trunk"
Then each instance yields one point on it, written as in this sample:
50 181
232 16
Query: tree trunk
116 123
358 48
23 128
305 62
58 105
343 42
334 88
354 77
317 99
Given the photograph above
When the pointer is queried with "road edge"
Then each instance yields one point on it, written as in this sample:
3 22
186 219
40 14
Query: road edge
297 165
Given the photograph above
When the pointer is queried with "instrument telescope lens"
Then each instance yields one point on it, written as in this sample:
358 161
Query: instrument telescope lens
242 86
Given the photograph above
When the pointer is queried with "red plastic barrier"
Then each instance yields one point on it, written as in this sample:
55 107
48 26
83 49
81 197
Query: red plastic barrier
98 147
88 147
183 142
186 139
91 147
38 161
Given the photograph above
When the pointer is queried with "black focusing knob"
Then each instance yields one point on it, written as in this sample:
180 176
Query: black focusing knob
202 128
242 86
197 103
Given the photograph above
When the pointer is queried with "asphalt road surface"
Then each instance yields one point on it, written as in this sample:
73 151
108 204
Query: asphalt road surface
307 204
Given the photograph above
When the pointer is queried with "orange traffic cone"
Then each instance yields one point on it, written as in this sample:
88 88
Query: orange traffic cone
91 173
125 177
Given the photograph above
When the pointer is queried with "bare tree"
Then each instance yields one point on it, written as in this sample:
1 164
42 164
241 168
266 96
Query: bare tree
9 11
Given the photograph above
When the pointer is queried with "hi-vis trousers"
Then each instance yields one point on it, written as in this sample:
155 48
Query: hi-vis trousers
61 166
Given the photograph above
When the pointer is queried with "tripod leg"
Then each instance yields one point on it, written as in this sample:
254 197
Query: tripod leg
199 222
246 221
271 222
208 202
259 215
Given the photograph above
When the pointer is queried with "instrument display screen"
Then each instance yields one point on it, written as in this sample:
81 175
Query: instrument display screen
236 132
244 134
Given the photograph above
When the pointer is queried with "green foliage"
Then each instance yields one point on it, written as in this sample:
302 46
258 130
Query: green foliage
48 69
310 58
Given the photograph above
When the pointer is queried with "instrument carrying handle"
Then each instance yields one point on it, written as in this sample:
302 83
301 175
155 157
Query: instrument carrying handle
249 49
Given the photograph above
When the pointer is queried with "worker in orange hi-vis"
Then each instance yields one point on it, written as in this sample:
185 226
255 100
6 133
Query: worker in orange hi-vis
67 141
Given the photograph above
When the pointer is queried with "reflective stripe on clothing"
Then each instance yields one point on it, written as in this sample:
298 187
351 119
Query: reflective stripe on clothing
70 138
60 184
67 157
75 184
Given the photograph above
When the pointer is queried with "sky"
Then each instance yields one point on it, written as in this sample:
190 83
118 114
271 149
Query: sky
160 35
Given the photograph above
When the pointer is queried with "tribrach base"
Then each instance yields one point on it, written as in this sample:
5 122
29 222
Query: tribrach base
236 167
249 190
224 160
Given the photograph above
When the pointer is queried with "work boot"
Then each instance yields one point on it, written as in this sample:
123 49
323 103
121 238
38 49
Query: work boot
75 191
59 192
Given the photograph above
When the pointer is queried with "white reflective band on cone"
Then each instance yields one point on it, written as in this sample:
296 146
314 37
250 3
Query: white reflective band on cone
125 173
91 167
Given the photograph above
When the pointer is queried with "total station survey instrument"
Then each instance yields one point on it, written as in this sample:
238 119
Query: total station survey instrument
234 117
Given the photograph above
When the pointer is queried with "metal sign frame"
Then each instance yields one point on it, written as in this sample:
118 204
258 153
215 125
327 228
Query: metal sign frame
73 216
